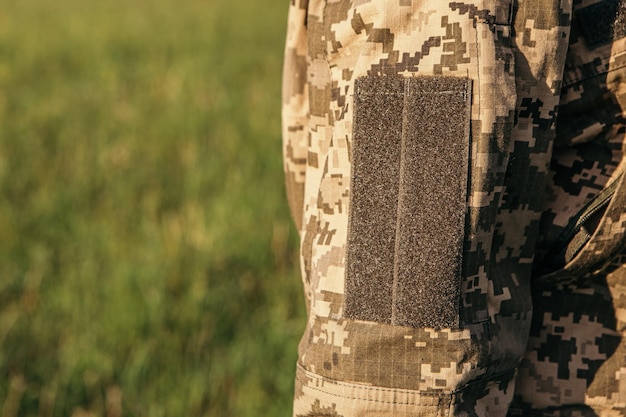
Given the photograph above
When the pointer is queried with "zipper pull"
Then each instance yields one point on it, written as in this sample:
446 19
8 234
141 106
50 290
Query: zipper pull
579 230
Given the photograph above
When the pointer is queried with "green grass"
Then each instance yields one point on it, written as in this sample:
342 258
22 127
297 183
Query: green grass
147 261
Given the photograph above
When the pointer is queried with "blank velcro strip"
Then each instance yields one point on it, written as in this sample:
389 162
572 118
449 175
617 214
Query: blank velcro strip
374 197
432 207
408 204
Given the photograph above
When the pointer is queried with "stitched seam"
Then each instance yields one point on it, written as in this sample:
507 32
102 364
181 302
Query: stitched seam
443 397
396 265
379 401
491 23
595 76
368 388
484 378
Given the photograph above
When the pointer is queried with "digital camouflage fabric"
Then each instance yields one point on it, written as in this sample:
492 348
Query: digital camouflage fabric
454 170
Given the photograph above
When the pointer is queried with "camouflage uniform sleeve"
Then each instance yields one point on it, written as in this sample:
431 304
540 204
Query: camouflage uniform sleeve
576 354
418 144
295 107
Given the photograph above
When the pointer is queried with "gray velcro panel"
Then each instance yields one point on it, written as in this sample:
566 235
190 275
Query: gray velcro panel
374 198
432 204
408 200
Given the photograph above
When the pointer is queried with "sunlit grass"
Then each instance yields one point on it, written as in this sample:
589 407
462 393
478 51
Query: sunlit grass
147 261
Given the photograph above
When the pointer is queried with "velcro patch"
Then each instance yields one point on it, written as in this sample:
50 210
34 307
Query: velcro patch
408 200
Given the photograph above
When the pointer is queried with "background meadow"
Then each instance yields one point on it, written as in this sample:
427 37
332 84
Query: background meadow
148 263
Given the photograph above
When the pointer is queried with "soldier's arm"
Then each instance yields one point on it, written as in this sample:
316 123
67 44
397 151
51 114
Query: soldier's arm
295 107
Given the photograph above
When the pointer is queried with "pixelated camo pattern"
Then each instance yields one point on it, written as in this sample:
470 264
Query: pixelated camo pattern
530 341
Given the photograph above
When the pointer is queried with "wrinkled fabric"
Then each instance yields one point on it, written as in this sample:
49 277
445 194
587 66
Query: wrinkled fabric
539 305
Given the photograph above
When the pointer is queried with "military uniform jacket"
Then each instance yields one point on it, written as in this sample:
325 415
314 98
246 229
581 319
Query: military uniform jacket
455 172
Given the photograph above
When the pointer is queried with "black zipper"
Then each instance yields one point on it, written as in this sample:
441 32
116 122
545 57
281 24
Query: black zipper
575 235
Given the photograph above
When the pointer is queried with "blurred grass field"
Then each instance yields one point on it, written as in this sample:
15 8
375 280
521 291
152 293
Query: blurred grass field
147 260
